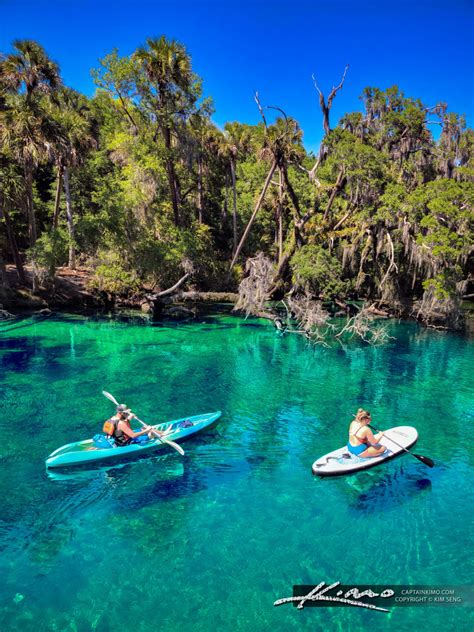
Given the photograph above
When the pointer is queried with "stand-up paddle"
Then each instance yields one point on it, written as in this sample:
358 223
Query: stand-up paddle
174 445
424 459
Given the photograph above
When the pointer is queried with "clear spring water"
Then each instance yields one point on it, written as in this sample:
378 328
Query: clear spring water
211 540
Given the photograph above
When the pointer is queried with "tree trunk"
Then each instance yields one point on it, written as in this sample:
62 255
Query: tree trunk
291 191
280 216
5 285
225 206
341 180
173 190
254 214
57 200
234 209
70 220
172 178
291 247
325 113
326 107
30 211
200 191
13 245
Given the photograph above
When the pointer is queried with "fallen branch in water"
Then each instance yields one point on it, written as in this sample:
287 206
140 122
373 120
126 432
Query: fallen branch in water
303 314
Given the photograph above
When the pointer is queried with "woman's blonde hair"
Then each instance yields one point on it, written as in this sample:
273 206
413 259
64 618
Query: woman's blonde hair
362 414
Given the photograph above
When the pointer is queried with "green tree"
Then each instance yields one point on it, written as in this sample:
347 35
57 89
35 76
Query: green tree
75 138
27 135
168 90
28 70
25 132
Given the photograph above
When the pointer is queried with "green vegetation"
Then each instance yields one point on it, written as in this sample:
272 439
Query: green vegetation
141 187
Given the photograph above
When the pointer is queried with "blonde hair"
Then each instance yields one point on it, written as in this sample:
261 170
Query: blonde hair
362 414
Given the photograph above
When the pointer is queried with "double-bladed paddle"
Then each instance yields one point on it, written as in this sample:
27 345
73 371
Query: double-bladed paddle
174 445
424 459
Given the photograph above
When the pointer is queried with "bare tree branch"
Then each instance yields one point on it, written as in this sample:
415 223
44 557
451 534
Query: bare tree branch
172 289
392 261
326 107
334 90
339 184
260 109
343 219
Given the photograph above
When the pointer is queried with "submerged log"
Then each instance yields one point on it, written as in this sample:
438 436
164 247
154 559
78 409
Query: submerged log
4 315
375 311
179 312
158 304
155 303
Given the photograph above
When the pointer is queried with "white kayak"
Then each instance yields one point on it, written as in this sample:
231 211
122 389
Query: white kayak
342 461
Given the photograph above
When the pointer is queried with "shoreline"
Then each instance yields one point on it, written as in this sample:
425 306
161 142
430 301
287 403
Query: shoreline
70 293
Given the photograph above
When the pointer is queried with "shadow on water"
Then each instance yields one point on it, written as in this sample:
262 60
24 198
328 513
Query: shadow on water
126 489
19 354
189 482
81 495
389 491
193 479
205 318
16 354
206 323
86 473
21 322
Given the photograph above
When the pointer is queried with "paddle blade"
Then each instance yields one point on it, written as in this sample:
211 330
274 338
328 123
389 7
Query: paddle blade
111 397
424 459
174 445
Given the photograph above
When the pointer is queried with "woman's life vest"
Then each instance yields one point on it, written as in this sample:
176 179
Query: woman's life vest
111 429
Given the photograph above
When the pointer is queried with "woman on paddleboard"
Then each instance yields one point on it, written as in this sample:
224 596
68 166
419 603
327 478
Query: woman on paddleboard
362 442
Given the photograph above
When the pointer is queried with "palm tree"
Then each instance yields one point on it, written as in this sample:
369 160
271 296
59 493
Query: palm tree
199 146
27 135
29 70
75 138
170 93
25 75
236 143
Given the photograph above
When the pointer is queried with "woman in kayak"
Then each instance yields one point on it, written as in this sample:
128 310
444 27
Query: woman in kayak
362 442
123 431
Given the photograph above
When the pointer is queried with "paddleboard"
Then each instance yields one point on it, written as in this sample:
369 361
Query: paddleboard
341 461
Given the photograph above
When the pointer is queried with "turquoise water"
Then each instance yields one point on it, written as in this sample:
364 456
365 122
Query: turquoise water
211 540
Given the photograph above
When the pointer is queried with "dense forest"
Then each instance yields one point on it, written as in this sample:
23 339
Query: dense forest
139 186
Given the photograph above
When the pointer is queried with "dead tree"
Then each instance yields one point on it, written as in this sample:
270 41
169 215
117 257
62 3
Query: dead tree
254 288
325 110
326 106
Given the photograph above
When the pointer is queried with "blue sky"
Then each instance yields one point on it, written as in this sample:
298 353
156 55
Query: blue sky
425 47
